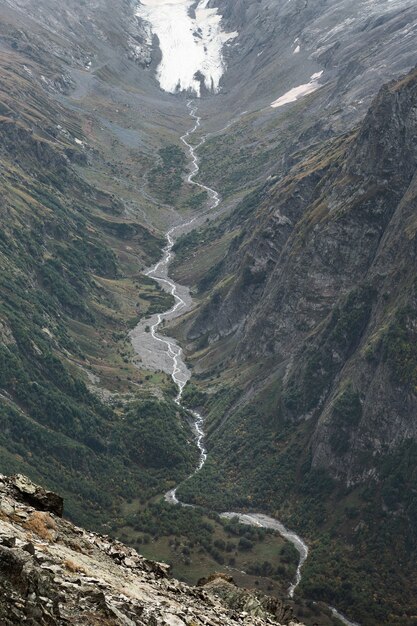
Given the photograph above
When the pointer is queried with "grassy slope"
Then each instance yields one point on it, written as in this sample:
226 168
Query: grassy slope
76 414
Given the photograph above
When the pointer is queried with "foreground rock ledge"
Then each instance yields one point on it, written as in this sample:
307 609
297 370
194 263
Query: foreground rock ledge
52 572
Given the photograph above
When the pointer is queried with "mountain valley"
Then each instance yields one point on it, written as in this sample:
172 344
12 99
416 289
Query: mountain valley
283 162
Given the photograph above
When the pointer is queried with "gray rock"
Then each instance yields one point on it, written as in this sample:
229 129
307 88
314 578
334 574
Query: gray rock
36 496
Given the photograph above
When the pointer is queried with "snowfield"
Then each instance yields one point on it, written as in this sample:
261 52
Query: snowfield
298 92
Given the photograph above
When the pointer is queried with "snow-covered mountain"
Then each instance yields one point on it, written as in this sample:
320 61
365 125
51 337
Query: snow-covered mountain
263 52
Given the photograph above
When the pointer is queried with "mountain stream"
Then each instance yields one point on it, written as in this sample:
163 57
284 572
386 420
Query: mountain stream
161 352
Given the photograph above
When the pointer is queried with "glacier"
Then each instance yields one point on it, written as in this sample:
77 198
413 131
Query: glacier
191 41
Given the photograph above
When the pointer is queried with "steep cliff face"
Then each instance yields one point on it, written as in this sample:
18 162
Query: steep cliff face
322 271
55 573
379 378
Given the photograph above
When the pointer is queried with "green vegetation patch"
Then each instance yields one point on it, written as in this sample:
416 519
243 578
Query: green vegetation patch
322 356
400 348
166 179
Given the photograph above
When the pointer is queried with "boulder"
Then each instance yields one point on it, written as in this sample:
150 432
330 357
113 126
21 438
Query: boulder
36 496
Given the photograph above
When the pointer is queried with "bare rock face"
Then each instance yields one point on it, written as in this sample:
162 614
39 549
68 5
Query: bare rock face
53 573
255 604
36 496
325 288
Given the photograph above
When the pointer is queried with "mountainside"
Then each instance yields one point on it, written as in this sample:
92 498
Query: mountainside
342 51
281 44
322 245
77 218
55 573
304 340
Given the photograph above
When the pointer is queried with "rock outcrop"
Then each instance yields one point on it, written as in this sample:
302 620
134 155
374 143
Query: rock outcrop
54 573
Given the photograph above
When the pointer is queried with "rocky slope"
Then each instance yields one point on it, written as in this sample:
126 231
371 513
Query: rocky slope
310 314
55 573
354 46
345 40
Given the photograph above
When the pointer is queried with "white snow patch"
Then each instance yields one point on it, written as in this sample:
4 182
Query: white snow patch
190 43
298 92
